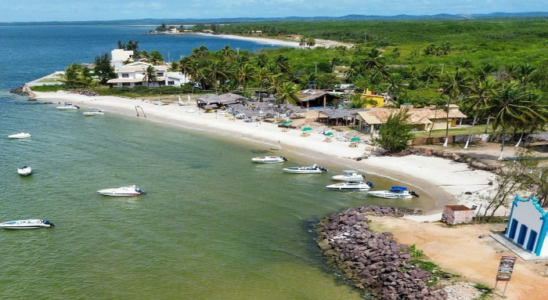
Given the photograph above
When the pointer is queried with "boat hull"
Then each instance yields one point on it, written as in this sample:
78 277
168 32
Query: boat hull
347 178
291 171
268 159
126 191
19 136
388 195
26 224
345 187
24 171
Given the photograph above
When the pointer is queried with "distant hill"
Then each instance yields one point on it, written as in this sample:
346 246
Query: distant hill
296 18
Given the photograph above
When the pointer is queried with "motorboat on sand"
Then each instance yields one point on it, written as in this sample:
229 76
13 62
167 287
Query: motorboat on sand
315 169
24 170
27 224
125 191
21 135
395 192
349 175
68 106
350 186
268 159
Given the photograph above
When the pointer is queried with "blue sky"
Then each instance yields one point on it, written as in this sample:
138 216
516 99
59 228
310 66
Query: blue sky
88 10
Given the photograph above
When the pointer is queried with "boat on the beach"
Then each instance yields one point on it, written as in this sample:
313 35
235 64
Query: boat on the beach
93 112
395 192
349 175
26 224
24 170
350 186
68 106
21 135
124 191
315 169
268 159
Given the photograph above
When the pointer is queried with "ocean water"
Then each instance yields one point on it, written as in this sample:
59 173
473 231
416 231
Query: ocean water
212 225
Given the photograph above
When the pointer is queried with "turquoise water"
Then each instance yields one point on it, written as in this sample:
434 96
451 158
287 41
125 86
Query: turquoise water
212 225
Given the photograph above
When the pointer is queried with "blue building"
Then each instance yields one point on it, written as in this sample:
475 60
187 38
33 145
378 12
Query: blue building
528 226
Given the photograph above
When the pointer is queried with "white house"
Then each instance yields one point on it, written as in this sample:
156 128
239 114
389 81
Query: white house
119 56
134 74
176 79
528 226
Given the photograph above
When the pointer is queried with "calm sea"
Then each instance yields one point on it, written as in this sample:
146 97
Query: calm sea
212 226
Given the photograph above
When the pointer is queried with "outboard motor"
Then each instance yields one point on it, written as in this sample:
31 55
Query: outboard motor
283 157
323 169
47 222
140 191
370 184
414 194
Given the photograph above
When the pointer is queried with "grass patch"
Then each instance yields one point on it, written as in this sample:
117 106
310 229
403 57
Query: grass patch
485 291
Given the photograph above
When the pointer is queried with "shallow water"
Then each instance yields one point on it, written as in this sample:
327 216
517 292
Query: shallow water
212 225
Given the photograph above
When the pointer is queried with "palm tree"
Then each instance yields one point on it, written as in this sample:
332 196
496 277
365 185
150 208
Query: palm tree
373 59
226 53
478 98
261 60
453 86
512 105
150 75
282 63
200 53
287 93
216 71
429 73
243 74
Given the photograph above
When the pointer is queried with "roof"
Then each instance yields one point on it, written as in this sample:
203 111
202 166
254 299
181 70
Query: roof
220 99
458 208
376 116
309 95
340 113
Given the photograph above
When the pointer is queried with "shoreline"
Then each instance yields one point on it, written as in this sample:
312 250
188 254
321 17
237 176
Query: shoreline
278 42
443 180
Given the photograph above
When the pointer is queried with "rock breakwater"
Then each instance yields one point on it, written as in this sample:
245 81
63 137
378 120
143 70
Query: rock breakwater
374 262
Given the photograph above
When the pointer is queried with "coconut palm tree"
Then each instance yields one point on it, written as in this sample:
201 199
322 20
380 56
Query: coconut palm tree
282 63
150 75
261 60
453 86
477 100
287 93
429 73
216 71
226 53
513 106
243 74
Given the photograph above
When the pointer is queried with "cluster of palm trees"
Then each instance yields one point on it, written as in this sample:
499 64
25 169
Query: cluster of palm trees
228 70
510 97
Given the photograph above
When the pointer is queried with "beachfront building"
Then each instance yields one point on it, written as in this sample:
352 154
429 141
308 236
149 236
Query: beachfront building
421 119
374 99
134 74
528 226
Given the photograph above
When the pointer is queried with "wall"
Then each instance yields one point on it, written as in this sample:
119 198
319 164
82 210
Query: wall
525 213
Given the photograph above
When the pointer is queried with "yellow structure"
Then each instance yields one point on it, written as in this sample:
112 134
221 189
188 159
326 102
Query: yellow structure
373 97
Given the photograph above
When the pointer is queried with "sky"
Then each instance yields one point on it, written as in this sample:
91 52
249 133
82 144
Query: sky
100 10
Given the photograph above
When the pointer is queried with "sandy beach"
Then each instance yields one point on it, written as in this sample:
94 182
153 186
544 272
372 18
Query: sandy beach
444 180
294 43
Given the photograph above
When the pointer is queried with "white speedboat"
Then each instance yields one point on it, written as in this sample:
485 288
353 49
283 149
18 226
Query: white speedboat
268 159
24 170
26 224
93 112
315 169
395 192
125 191
68 106
350 186
21 135
349 175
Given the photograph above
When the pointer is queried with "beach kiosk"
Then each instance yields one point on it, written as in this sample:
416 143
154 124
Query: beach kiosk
455 214
528 225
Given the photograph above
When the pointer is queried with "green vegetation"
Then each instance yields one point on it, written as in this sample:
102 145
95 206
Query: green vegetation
485 291
395 134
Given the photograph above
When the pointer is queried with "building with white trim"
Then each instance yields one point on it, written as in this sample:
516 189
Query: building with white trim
528 226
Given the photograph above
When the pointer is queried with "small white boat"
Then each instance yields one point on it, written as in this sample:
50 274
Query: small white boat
93 112
315 169
68 106
24 170
268 159
395 192
350 186
26 224
349 175
21 135
125 191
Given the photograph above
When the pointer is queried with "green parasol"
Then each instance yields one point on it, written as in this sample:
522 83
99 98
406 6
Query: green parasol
287 122
329 133
355 139
307 128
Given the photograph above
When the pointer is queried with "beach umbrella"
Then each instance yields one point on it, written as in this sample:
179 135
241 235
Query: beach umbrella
355 139
329 133
287 122
307 129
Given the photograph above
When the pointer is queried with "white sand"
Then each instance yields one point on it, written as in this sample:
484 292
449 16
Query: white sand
283 43
444 180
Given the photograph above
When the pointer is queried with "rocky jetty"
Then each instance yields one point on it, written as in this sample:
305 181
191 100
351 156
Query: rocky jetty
374 262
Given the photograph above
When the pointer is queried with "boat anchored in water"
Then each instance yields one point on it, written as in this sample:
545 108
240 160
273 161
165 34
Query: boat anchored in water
349 175
68 106
20 135
395 192
24 170
268 159
26 224
93 112
124 191
350 186
315 169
